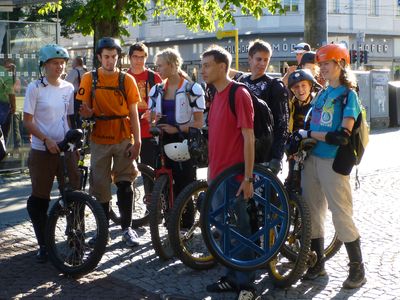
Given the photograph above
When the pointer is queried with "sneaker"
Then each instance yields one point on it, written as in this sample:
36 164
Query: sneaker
222 285
356 276
92 242
247 295
316 271
130 238
41 255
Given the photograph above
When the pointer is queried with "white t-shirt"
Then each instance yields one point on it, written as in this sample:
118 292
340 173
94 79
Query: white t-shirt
50 106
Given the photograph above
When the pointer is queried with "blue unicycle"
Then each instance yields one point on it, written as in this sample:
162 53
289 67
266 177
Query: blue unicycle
245 235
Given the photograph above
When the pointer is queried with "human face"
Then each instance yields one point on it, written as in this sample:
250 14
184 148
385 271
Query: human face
299 56
259 63
108 59
302 90
164 69
329 70
138 60
211 71
54 67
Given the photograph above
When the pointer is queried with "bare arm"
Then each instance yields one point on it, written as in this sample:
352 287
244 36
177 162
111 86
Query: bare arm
135 129
247 187
347 123
50 144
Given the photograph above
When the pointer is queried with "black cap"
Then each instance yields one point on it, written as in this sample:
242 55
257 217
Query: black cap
308 58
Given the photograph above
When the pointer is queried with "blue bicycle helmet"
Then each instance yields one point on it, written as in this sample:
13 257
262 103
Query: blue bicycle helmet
300 75
51 51
110 43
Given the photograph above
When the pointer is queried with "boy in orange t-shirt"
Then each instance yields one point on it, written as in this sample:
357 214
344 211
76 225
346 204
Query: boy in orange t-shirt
113 150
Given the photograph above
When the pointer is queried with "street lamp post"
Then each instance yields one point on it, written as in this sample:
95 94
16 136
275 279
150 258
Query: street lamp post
231 33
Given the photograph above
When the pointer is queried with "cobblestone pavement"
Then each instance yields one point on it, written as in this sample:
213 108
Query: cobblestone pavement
138 274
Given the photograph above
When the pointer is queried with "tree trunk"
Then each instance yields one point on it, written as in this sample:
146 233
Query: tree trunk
316 22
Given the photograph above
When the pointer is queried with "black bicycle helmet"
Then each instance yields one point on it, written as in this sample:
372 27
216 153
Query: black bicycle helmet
109 43
308 58
300 75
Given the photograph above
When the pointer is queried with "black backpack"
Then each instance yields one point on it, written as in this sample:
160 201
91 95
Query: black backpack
263 123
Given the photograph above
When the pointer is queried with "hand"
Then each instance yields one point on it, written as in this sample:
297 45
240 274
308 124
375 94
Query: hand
291 69
274 165
303 133
85 111
247 189
146 115
168 128
51 146
133 151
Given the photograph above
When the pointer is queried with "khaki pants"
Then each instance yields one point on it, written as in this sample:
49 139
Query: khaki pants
323 188
44 166
109 163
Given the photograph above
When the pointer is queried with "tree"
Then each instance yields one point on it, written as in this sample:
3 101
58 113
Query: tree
111 17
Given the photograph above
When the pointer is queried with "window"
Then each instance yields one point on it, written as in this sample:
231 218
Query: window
334 7
373 8
291 5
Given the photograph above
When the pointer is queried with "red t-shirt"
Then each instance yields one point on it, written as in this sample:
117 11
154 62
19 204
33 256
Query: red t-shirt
142 106
226 143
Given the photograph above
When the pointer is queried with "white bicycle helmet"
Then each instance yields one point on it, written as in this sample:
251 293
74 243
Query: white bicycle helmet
177 151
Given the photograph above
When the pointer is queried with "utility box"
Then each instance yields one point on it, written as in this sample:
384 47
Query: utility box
380 98
364 93
394 103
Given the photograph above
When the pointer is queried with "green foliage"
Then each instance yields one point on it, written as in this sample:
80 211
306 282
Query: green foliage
115 15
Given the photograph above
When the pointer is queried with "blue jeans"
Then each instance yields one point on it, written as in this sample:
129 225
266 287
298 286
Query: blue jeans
240 279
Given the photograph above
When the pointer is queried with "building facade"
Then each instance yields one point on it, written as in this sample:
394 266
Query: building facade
372 25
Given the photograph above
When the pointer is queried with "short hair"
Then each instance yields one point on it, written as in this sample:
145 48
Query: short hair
258 46
79 60
138 46
220 55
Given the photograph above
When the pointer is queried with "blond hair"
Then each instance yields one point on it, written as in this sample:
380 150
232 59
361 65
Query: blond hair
173 58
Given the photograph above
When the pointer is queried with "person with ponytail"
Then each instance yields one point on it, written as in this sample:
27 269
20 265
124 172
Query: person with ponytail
176 105
48 103
324 185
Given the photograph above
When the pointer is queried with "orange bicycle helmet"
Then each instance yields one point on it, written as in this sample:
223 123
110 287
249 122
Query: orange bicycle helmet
335 52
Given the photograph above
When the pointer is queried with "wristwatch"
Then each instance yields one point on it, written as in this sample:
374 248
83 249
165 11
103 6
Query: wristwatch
249 179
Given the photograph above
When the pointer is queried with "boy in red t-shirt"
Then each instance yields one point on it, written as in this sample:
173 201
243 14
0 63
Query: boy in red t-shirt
145 79
231 141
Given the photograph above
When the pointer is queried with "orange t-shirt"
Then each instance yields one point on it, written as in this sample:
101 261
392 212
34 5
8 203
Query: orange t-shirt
109 103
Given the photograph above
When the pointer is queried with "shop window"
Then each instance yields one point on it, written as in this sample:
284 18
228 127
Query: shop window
291 5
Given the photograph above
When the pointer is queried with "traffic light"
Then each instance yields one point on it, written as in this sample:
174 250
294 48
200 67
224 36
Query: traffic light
353 56
364 57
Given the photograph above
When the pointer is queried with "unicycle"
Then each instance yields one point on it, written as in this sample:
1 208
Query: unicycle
245 235
73 220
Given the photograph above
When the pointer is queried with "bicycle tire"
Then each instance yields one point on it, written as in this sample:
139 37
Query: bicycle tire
70 227
332 246
141 198
189 247
221 223
282 271
159 218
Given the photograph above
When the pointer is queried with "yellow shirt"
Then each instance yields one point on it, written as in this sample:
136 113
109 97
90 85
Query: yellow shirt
109 103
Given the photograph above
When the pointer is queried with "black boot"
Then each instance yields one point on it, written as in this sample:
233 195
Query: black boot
356 276
318 269
37 210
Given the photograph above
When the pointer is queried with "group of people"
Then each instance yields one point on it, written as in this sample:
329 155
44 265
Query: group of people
124 117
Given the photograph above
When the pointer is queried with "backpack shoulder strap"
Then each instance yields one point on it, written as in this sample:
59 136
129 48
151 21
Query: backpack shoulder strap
121 83
150 82
79 76
232 91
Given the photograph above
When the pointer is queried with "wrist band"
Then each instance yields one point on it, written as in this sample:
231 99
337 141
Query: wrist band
309 133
